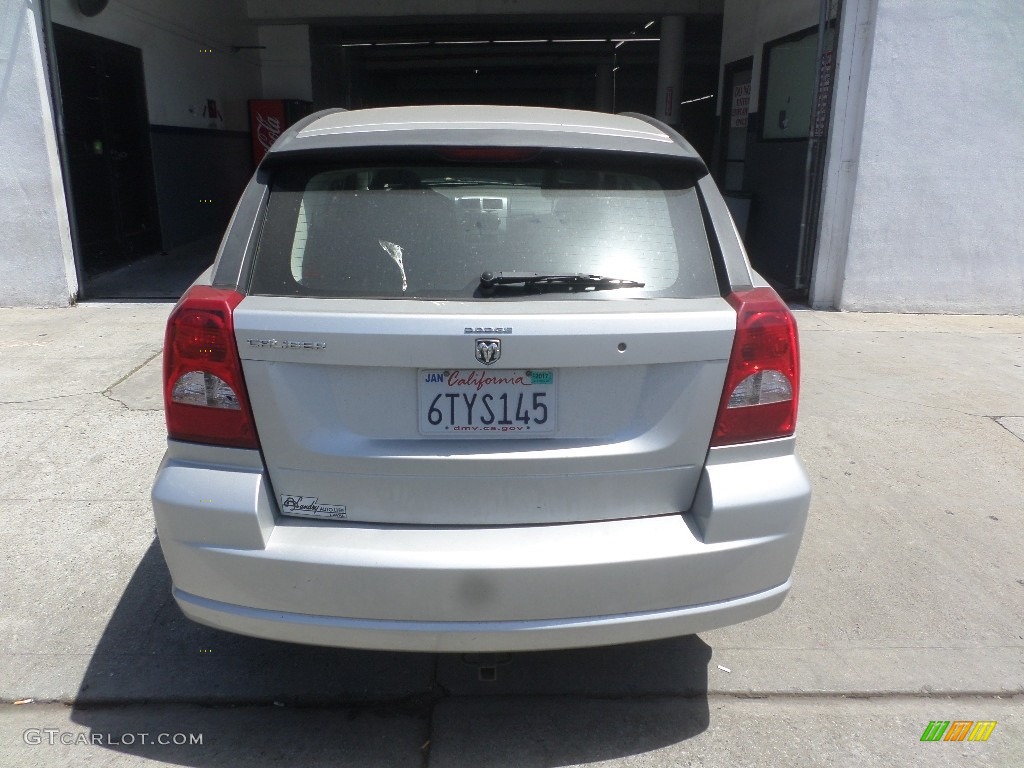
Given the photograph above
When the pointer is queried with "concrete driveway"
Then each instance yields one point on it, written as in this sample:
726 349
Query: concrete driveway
908 605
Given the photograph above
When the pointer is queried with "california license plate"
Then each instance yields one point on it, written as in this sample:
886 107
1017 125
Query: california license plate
487 403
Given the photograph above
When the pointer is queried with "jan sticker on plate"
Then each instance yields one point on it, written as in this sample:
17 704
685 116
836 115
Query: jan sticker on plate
310 506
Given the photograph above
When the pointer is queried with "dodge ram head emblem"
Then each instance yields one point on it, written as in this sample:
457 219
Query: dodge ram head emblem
488 350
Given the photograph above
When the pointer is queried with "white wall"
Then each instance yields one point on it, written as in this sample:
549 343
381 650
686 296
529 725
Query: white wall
937 214
36 262
287 71
180 75
748 24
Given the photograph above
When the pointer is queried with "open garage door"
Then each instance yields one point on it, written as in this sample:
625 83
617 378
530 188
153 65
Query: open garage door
607 63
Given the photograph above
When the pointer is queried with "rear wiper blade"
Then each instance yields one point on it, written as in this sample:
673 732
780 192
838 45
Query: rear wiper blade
491 279
452 181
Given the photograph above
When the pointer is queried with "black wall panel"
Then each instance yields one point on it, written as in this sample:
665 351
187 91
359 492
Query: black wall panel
199 177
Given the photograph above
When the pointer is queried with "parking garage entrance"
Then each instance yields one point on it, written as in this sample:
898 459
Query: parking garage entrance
140 188
604 63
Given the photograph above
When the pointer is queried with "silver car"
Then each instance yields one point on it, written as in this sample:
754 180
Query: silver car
479 379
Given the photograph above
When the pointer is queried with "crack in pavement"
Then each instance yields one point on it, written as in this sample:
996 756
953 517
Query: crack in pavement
134 370
892 399
108 392
51 397
998 420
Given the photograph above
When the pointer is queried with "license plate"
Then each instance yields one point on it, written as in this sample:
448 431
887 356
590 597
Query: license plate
487 403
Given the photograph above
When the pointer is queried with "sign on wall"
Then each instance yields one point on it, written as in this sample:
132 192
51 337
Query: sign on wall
740 105
266 122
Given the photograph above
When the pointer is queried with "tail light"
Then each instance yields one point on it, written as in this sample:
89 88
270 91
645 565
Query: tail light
204 393
762 384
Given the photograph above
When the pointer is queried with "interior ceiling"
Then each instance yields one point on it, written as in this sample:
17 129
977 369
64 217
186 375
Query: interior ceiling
491 28
315 12
522 42
587 61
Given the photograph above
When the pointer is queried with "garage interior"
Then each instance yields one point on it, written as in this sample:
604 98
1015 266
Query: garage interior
149 201
147 245
608 64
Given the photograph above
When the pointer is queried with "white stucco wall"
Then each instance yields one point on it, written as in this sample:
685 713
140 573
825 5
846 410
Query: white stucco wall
36 263
174 36
937 211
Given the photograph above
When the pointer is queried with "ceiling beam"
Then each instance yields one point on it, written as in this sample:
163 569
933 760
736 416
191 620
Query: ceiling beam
315 11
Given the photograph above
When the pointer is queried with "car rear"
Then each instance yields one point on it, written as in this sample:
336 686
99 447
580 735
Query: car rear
480 379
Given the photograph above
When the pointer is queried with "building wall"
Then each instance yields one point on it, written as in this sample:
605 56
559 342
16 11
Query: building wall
937 211
36 263
285 62
191 166
749 24
174 36
193 51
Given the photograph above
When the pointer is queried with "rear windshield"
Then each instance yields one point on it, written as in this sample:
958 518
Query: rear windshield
423 226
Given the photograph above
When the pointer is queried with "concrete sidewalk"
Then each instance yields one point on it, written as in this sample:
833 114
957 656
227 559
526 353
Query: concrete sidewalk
909 589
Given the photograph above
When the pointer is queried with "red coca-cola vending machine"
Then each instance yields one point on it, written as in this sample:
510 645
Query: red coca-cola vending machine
268 118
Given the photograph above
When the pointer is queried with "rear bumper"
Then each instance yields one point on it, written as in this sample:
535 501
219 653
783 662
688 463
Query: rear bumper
477 636
238 566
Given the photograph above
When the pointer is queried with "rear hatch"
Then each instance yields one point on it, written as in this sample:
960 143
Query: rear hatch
390 384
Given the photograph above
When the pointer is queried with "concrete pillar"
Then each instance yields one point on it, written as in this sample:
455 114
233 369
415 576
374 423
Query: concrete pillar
670 70
604 96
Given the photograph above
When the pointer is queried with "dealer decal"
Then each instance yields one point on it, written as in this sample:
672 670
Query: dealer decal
310 506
